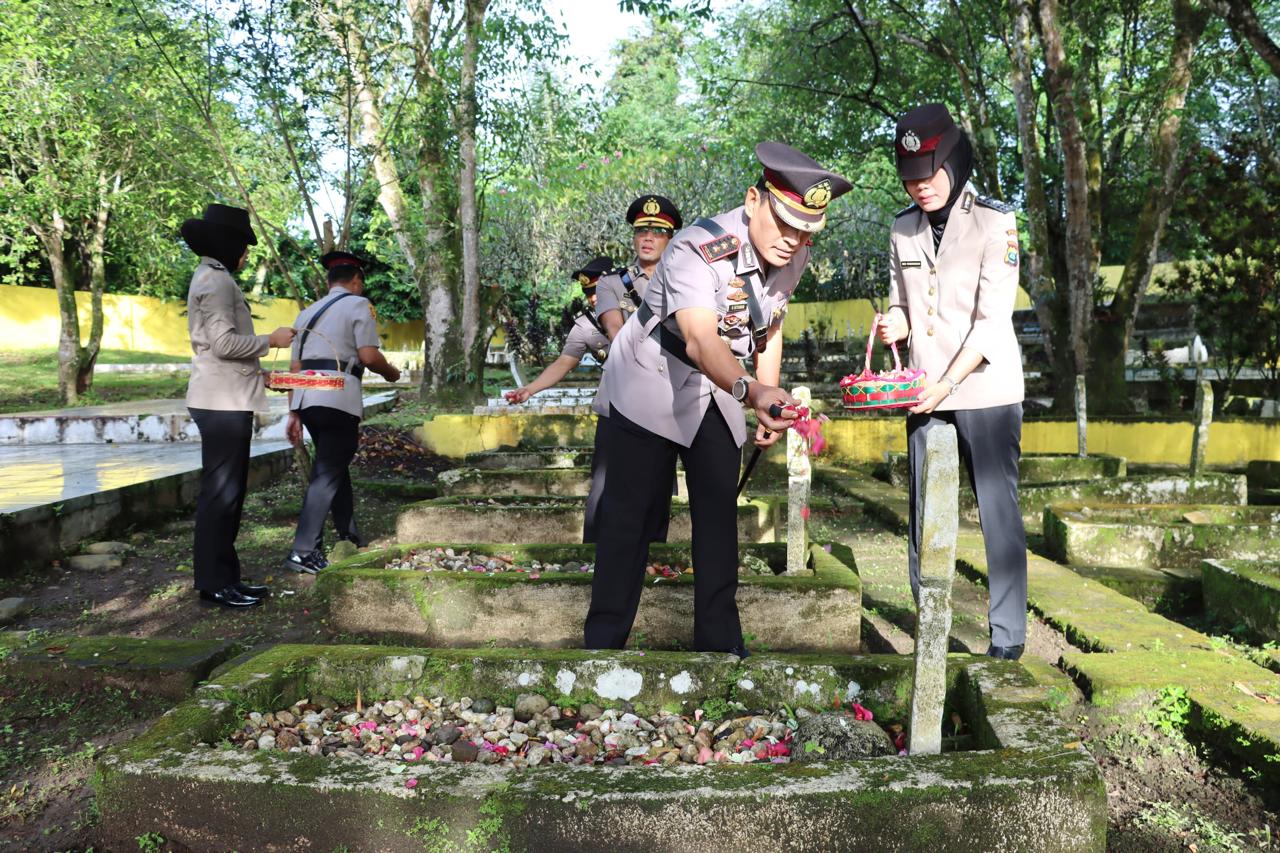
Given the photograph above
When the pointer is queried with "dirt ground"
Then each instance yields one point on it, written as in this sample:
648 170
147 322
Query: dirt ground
1165 794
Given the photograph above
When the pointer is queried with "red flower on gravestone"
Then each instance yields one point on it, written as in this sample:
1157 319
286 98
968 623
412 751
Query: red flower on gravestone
861 713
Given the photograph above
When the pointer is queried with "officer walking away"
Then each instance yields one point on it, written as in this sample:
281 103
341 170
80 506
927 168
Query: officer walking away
654 219
224 391
674 386
337 334
585 336
954 262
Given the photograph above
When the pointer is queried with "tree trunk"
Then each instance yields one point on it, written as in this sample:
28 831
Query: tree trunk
1115 325
1036 272
1243 20
1079 248
472 342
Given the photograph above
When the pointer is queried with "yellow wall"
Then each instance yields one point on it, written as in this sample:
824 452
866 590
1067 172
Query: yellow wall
867 439
29 320
843 315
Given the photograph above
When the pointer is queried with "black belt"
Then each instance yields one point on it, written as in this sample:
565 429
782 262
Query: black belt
330 364
667 339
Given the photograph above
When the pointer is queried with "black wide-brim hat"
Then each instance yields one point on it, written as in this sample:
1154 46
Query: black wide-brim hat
922 141
218 222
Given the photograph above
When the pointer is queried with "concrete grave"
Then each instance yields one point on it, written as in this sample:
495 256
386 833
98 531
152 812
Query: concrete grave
539 457
1024 781
549 519
1244 592
1035 468
1206 488
554 482
817 611
1158 536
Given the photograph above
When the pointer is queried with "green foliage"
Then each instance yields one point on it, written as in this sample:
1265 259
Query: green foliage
1171 712
150 842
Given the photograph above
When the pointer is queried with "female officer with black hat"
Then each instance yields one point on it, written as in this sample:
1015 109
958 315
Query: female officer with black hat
954 276
225 389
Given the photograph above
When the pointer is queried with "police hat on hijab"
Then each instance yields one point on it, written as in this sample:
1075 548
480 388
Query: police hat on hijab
923 140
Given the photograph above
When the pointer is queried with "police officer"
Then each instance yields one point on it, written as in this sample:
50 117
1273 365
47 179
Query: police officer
654 219
344 321
224 391
586 336
674 386
954 262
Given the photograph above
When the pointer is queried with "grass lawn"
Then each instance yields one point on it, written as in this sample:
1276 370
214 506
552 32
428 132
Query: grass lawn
29 379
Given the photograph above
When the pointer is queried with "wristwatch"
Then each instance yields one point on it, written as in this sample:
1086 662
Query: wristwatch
740 386
955 386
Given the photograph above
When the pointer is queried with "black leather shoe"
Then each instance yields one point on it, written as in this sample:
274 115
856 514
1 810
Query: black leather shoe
740 651
251 590
354 540
1005 652
308 564
228 596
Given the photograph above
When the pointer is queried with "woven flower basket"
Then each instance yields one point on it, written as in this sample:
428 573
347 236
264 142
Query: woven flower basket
309 380
894 389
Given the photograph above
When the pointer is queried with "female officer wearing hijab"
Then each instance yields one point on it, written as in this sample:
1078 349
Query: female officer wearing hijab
954 276
225 390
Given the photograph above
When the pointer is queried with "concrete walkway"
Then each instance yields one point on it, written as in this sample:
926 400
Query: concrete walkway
143 421
42 474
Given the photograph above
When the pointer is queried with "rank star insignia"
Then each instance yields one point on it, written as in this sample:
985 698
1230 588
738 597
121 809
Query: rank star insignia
721 247
651 207
910 142
818 195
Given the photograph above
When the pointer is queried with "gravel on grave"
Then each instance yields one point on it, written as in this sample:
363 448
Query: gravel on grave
462 560
410 733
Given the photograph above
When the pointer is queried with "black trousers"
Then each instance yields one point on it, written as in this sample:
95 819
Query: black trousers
224 477
337 437
638 489
599 465
990 444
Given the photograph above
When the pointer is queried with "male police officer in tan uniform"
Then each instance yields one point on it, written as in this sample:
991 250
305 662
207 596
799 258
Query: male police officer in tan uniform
674 385
654 219
954 276
337 334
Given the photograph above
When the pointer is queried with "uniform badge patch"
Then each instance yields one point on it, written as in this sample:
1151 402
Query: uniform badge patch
1011 254
730 320
737 295
721 247
373 312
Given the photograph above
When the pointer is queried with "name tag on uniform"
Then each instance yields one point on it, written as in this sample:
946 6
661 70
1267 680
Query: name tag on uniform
909 265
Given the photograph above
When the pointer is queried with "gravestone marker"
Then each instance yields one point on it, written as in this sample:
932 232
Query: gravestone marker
1082 419
939 524
1203 413
799 479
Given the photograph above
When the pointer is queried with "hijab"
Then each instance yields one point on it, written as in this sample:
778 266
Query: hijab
959 168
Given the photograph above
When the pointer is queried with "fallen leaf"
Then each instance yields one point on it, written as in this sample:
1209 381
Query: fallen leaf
1075 744
55 650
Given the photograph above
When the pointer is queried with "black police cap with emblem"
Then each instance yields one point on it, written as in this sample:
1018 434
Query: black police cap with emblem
332 260
654 211
590 271
922 141
799 187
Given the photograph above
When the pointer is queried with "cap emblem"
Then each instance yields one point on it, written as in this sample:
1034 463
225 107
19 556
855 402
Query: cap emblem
911 142
652 208
818 195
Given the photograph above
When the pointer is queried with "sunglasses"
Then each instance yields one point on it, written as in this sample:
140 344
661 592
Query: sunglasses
657 232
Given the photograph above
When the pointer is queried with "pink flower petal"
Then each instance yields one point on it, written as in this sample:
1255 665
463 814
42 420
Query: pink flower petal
411 783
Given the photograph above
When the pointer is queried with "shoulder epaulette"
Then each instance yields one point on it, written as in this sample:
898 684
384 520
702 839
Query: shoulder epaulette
994 204
908 209
719 248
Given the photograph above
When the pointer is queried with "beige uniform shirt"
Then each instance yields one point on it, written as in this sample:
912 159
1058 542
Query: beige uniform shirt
342 329
961 296
225 372
654 388
585 338
611 295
